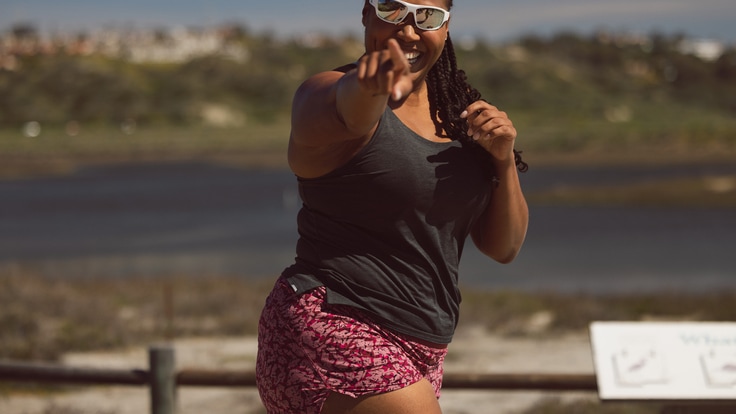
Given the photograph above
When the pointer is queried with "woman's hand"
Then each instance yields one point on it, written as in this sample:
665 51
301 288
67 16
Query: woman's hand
492 129
386 72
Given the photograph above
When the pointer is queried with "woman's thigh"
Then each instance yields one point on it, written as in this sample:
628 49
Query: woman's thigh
418 398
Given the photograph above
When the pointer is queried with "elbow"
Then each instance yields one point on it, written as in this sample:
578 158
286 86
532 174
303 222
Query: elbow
504 257
502 242
508 258
503 253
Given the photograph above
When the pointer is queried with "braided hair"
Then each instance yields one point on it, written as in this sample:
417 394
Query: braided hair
449 95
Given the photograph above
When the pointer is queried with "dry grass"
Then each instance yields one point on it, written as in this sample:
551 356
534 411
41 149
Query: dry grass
708 191
522 313
42 318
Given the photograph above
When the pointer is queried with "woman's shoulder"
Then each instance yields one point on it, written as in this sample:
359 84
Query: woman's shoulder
325 78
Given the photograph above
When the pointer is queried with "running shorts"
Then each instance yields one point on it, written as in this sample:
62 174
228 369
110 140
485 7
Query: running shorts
308 349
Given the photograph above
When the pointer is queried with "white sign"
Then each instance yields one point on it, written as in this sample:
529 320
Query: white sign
665 360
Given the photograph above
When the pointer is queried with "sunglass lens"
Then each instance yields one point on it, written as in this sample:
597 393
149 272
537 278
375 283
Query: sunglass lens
390 11
429 19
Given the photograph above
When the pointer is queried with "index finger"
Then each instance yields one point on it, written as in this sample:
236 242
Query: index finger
397 56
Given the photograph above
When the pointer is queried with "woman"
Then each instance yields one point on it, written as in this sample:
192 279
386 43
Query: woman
398 161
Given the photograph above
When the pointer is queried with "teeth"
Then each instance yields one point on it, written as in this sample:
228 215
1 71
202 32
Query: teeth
412 56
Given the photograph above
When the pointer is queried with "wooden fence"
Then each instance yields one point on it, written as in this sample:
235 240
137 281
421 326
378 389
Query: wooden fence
162 379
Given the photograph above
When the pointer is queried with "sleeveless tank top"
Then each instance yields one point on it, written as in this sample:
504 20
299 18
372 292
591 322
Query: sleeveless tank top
385 232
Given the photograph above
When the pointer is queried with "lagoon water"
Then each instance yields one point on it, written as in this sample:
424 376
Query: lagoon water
202 219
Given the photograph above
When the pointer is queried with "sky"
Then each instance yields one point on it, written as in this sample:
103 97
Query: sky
490 19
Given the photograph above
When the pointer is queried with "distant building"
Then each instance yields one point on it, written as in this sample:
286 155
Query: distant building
158 46
706 49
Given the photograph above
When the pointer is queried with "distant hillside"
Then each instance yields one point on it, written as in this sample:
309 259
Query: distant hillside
564 92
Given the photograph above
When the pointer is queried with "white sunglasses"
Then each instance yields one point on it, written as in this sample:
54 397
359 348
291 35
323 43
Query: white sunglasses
425 17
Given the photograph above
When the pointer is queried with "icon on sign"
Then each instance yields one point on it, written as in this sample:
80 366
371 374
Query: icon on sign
638 366
719 368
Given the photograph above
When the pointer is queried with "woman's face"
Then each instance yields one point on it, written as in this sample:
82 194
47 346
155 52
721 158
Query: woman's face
421 47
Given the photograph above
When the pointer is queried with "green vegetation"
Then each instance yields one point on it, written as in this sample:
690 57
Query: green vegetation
587 95
54 152
95 89
570 93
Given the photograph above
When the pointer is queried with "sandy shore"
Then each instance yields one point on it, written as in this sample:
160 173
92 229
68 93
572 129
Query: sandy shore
472 351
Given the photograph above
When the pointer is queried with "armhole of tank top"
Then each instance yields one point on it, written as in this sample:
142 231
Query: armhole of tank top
337 171
346 68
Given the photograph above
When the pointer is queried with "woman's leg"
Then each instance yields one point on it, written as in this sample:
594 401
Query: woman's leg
418 398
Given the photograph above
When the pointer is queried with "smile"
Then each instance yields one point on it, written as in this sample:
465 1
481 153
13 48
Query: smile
412 57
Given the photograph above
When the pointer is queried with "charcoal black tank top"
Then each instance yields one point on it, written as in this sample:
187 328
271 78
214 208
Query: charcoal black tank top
385 232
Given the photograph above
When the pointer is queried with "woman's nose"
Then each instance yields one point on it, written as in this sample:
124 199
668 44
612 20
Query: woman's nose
407 30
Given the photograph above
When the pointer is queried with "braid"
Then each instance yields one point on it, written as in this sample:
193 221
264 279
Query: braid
449 95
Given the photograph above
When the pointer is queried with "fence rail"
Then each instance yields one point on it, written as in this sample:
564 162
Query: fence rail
53 373
162 378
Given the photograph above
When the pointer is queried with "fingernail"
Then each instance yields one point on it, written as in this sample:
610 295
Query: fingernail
464 114
397 95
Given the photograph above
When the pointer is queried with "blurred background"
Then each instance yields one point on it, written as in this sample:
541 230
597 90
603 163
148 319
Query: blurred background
143 144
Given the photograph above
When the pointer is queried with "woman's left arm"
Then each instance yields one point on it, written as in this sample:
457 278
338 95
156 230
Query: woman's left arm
501 229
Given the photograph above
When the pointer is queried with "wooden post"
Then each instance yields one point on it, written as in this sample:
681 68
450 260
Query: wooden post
163 379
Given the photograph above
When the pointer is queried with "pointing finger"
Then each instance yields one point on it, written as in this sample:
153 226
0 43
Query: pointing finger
400 64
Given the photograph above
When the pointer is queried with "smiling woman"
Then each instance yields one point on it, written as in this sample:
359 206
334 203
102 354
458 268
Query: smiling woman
398 161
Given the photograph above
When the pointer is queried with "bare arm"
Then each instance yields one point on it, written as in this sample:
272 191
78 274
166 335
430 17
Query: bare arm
501 229
335 114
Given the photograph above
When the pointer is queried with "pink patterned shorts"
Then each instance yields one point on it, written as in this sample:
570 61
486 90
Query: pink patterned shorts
308 349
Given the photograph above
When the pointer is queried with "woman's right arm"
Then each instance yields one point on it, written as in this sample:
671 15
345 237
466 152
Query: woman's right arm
334 114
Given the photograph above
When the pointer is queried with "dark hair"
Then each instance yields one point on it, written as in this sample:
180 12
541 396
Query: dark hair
450 94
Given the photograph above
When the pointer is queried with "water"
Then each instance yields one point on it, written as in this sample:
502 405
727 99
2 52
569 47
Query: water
200 219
